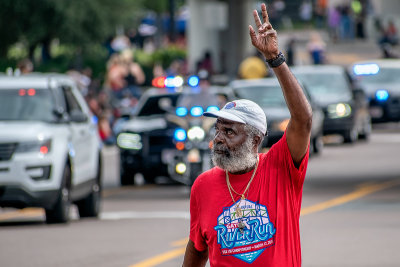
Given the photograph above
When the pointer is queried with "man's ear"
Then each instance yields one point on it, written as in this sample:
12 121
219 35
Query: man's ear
256 142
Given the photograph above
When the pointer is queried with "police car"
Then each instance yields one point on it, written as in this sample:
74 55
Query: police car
49 147
381 81
167 123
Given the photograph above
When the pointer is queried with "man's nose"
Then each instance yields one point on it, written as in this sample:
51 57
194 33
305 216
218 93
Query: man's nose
218 138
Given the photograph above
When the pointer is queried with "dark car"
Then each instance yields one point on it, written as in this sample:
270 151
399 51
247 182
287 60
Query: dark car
380 80
345 107
268 94
164 123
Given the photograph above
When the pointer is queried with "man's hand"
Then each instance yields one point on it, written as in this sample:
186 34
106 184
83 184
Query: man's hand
266 41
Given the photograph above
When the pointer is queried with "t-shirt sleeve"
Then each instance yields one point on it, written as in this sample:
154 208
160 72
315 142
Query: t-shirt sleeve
195 225
296 174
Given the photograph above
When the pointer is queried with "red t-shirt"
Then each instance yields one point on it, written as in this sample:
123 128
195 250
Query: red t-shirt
271 213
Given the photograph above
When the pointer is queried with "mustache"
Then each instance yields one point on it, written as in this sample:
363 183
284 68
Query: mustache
220 148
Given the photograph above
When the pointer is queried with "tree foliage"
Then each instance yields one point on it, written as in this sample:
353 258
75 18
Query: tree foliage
72 22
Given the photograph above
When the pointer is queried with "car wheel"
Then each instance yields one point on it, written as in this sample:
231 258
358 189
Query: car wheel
126 178
60 212
350 136
90 205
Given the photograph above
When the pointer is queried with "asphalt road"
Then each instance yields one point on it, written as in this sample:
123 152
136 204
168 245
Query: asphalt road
350 216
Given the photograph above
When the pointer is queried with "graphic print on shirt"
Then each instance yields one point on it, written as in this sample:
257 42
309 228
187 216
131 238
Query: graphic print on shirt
256 237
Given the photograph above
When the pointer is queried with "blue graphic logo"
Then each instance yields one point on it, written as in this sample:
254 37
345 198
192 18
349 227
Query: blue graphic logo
248 244
230 105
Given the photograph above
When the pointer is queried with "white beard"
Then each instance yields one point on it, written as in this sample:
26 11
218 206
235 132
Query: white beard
235 160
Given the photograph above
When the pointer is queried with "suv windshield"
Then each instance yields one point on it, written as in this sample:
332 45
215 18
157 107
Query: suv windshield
26 105
327 86
384 76
265 96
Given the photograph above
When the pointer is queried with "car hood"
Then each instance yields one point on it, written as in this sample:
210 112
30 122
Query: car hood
16 131
144 124
393 89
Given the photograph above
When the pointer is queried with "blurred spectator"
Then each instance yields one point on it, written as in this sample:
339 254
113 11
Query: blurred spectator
277 7
25 66
359 17
321 7
206 63
316 48
346 30
305 10
115 76
105 131
158 70
134 75
291 52
177 67
333 23
390 33
253 67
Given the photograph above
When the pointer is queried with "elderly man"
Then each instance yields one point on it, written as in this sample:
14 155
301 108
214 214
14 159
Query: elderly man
246 209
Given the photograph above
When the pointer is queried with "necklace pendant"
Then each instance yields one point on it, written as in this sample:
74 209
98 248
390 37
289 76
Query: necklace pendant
239 212
243 197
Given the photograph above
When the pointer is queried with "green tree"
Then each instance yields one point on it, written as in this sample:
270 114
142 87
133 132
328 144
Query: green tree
79 23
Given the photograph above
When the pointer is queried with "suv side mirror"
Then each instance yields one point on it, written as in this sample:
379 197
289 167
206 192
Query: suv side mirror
78 116
59 112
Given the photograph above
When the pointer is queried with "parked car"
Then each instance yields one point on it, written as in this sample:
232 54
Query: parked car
268 94
381 81
49 147
166 126
345 106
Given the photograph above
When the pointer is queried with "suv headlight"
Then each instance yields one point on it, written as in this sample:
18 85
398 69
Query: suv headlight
339 110
129 141
41 146
196 133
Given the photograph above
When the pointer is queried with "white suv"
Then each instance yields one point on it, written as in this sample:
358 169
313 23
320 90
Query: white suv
49 147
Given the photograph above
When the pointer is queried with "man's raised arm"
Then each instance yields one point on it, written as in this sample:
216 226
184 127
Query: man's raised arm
299 128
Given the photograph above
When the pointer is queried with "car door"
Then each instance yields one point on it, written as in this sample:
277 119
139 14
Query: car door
80 141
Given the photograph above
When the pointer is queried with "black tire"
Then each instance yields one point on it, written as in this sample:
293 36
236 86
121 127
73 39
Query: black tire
350 136
126 178
90 205
60 212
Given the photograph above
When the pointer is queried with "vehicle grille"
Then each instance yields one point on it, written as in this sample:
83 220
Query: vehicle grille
158 143
7 150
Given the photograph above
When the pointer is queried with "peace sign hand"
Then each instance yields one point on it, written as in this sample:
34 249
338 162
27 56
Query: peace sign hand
266 41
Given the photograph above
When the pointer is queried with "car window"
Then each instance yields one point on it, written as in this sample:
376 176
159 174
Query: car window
71 101
385 75
265 96
326 86
27 104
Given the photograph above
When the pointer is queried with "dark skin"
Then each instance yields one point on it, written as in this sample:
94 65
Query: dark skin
298 131
232 134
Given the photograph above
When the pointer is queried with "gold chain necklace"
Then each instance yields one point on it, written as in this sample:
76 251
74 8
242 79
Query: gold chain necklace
238 210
